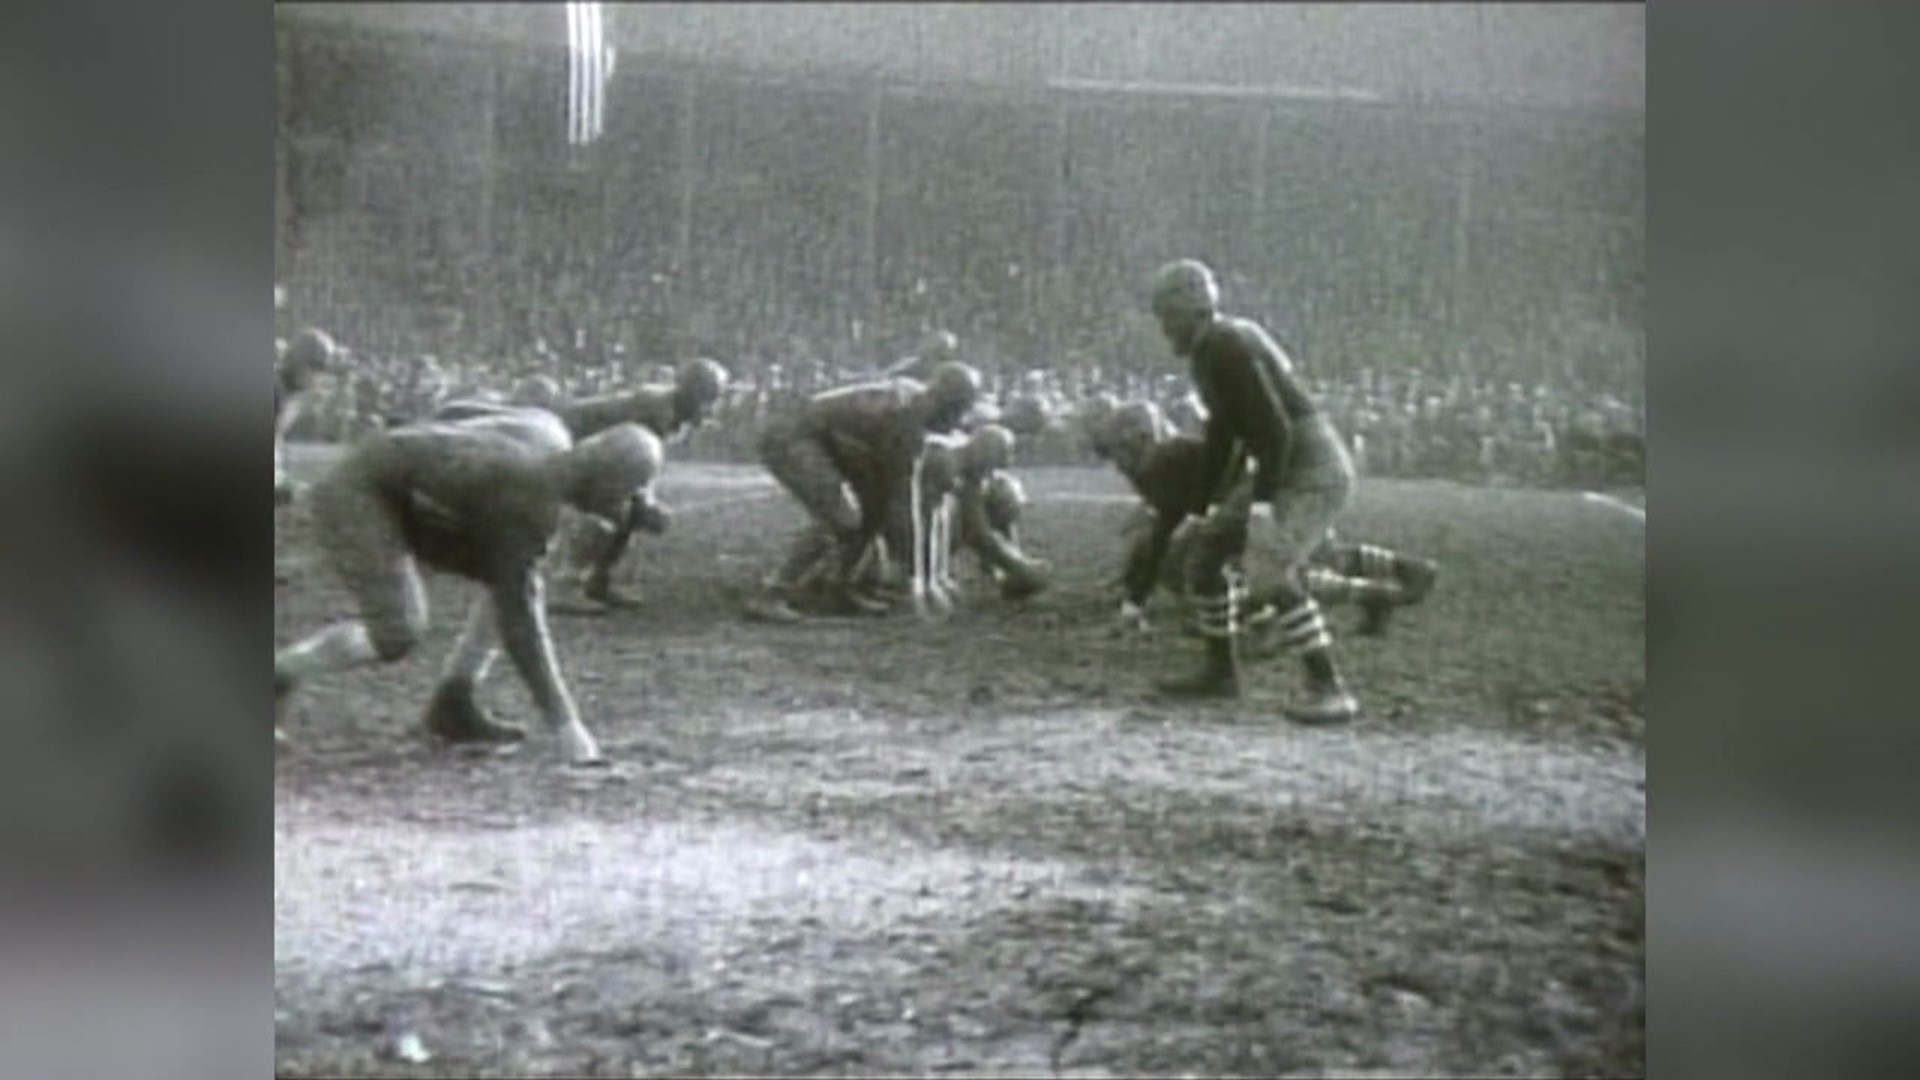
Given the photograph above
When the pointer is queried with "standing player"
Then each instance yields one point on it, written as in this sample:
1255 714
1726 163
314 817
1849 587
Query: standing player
851 457
480 499
1268 452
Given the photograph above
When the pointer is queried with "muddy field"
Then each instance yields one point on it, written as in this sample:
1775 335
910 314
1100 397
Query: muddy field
865 847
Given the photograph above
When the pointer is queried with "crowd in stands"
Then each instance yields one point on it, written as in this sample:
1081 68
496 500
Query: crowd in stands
1400 423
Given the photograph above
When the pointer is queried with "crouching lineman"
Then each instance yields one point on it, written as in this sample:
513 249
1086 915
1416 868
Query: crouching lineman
851 457
310 354
670 412
1266 445
480 499
1167 469
964 477
986 503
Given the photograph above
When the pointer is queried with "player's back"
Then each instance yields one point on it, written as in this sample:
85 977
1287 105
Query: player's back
650 406
1172 475
864 411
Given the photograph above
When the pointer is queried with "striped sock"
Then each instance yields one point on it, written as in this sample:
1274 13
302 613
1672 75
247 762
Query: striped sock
1217 616
1374 562
1329 586
1304 628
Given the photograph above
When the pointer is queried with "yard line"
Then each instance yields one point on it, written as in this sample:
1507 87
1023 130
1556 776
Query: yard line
1637 513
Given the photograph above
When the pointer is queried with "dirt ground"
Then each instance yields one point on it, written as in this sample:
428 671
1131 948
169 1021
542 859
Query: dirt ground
866 847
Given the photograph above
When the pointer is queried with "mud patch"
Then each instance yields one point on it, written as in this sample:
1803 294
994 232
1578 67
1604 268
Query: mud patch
419 901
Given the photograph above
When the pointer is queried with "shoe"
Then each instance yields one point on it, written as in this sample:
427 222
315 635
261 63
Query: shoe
1325 709
1417 576
1218 676
602 591
773 610
1377 602
1014 589
454 715
854 602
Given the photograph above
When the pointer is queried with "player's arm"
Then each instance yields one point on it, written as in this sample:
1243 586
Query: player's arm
517 583
1149 550
980 535
1171 479
1247 394
899 503
591 416
899 446
1221 447
649 514
286 414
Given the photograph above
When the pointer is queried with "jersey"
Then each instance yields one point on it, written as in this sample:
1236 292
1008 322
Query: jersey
1171 479
651 407
1253 403
471 502
869 431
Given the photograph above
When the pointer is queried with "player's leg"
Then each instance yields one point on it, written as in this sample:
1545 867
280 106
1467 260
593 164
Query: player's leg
1133 535
1378 579
592 550
1005 501
802 466
1176 563
1302 516
943 589
454 713
809 559
1216 587
282 486
360 538
805 548
597 582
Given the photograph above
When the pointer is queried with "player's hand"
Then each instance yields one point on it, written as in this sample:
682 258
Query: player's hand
1239 503
930 601
940 598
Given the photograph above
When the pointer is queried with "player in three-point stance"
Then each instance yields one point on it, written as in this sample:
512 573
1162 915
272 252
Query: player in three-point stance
481 499
852 458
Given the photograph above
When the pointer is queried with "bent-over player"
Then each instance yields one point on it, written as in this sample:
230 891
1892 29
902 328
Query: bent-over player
986 502
671 412
1167 470
479 499
964 480
851 456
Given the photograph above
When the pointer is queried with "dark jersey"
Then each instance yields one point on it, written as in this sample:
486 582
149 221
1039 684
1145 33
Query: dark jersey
651 407
1172 480
871 432
475 504
1253 403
